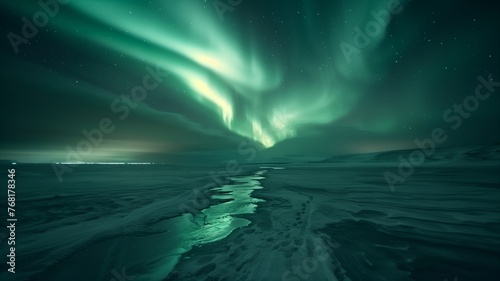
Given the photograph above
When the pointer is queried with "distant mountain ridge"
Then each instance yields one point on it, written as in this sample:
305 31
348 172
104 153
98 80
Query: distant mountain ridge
446 154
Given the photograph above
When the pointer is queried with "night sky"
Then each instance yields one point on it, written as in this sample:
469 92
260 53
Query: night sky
191 79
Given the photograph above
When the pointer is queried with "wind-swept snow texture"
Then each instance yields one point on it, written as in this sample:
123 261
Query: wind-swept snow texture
334 219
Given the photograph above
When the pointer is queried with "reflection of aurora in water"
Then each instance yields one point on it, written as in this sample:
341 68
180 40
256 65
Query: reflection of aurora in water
215 223
158 250
218 221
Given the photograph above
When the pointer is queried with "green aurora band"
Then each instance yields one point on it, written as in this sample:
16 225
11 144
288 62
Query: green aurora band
256 85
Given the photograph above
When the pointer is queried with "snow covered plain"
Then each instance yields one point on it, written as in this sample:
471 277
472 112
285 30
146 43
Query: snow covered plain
335 219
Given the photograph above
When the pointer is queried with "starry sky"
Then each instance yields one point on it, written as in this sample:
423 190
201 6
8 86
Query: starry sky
187 80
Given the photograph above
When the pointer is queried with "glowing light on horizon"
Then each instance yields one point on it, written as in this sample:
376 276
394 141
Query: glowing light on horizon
105 163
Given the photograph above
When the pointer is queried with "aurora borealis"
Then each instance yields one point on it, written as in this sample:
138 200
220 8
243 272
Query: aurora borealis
250 140
273 73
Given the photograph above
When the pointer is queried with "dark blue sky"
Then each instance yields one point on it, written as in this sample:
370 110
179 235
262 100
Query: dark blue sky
186 80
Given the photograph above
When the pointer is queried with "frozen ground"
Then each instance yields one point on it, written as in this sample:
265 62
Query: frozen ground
335 219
